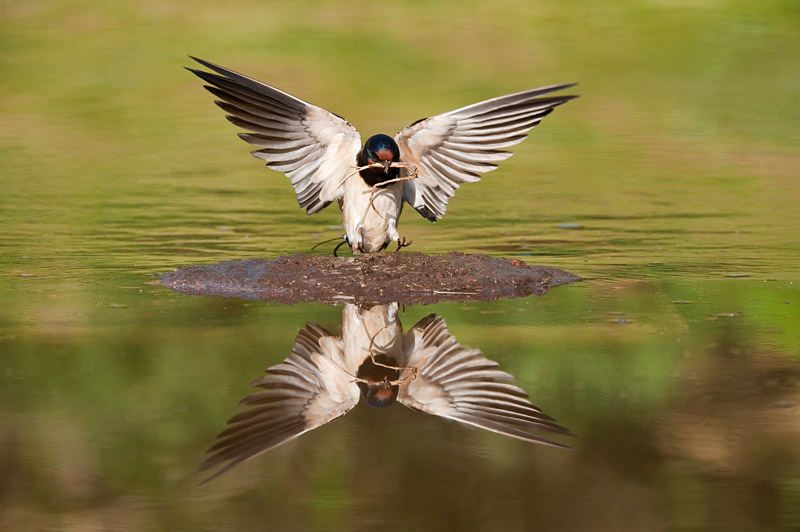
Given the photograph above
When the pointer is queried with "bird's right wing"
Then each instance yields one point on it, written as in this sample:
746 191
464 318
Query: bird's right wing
307 390
458 383
315 148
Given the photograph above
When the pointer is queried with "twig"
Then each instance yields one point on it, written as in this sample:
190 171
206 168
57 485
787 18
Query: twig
394 164
396 368
315 246
446 292
375 189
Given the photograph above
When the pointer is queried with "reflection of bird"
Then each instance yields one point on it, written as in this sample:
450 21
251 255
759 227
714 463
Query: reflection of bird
423 164
425 369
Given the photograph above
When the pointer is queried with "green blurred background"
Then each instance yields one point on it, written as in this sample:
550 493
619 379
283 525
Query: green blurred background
671 186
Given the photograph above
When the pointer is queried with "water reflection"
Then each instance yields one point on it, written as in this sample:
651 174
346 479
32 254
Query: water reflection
425 369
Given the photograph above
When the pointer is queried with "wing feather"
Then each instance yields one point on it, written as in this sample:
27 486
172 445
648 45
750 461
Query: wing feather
307 390
456 147
313 147
460 384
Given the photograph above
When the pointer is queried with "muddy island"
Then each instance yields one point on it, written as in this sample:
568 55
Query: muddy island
407 278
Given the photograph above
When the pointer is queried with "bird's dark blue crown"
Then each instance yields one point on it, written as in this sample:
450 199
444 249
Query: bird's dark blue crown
381 142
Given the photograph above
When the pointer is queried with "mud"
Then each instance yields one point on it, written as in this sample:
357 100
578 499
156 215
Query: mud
407 278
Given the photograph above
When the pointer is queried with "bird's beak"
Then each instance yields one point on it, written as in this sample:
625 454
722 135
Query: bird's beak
386 165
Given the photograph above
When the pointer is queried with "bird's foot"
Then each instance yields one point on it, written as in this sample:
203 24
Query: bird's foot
403 243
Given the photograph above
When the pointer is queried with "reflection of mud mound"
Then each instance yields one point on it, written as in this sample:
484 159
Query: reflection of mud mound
369 279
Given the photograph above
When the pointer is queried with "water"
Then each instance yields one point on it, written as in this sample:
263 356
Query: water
670 186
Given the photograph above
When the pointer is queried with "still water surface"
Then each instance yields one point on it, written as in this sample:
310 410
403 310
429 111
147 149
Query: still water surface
671 186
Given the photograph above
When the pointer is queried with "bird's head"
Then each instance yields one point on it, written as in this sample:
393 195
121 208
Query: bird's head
381 149
378 384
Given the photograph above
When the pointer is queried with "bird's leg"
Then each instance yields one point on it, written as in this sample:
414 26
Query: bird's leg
392 230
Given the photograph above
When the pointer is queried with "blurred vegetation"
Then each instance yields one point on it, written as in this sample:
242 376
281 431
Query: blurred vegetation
676 169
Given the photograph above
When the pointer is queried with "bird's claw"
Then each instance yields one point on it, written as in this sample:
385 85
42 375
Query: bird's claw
403 243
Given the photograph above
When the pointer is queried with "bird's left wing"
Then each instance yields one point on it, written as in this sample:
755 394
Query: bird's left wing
456 147
458 383
307 390
315 148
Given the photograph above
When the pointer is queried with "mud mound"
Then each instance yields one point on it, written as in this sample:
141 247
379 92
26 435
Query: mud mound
407 278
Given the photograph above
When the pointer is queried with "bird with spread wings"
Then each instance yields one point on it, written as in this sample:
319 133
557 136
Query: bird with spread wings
425 369
321 152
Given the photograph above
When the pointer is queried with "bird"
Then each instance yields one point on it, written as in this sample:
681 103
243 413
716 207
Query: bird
423 165
325 376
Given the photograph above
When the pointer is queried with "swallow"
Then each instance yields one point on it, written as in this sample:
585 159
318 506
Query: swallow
321 152
425 369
